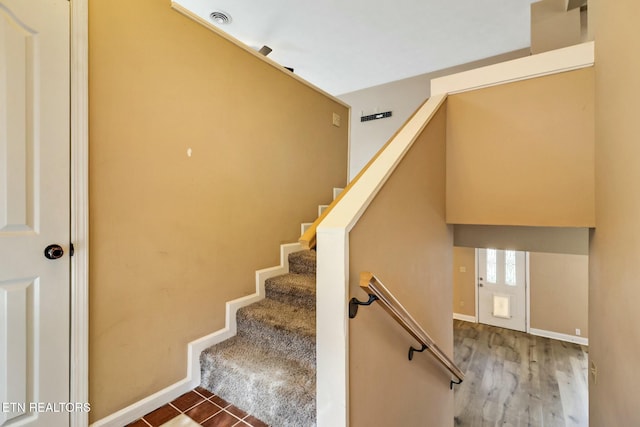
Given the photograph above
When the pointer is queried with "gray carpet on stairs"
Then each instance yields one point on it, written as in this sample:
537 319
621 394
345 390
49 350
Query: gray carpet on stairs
268 369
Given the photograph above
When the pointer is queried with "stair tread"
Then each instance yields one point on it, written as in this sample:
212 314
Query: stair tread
278 390
281 316
298 283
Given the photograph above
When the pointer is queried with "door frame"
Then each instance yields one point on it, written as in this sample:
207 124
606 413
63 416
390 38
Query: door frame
527 285
79 207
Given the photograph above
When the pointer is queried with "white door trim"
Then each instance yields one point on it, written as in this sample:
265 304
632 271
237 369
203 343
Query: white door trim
527 283
79 352
475 285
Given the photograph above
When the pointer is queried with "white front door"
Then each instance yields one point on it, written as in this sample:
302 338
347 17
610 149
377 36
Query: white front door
34 213
502 292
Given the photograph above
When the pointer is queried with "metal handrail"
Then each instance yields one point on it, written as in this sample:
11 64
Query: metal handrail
378 292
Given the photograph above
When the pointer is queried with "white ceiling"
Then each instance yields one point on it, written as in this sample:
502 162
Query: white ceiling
342 46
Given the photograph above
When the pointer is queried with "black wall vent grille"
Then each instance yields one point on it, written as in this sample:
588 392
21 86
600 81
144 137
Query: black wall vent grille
375 116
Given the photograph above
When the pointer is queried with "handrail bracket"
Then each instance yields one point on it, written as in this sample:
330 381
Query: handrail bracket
454 382
354 303
411 350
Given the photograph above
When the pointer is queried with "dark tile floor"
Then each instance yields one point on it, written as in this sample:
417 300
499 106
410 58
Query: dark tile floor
203 407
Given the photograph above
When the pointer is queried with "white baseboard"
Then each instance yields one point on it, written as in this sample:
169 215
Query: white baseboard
336 192
146 405
304 227
321 209
558 336
194 348
465 317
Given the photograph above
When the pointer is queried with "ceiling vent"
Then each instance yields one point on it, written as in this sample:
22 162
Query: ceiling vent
220 17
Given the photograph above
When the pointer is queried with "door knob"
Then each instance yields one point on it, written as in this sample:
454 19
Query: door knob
53 252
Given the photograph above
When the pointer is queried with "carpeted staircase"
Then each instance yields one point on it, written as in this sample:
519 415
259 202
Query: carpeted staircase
269 368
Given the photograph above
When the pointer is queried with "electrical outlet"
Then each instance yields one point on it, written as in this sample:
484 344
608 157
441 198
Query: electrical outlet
336 120
463 269
461 303
577 332
594 372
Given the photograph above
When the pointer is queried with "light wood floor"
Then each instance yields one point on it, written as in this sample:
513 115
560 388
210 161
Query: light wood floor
516 379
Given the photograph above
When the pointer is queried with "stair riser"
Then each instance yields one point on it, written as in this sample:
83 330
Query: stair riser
298 290
278 394
282 412
295 300
302 262
301 268
290 345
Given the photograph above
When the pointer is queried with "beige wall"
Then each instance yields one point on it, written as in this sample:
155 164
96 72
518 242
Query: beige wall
522 153
403 239
559 292
402 97
614 270
464 281
174 237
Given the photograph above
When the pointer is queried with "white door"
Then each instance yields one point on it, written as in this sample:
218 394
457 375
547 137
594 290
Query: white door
502 292
34 212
